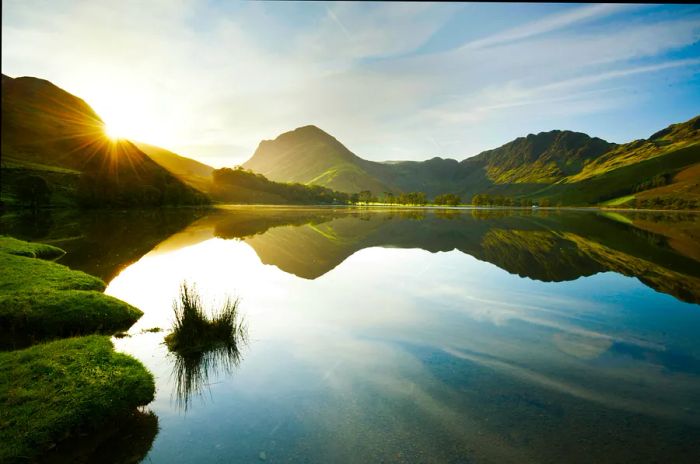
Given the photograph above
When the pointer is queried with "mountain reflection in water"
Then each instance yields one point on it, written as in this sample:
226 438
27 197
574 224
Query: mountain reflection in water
660 249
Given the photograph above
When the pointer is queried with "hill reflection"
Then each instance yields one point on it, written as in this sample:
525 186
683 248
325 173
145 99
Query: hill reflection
660 250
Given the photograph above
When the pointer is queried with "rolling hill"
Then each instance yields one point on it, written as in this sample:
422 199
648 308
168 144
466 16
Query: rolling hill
56 142
564 167
194 173
309 155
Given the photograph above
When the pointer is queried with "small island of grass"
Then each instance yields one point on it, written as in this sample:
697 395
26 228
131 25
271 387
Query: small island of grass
196 332
202 343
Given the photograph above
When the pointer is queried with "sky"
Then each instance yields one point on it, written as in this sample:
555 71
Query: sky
392 81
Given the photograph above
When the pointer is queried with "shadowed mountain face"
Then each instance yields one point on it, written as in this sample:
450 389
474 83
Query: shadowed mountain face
50 133
565 166
662 251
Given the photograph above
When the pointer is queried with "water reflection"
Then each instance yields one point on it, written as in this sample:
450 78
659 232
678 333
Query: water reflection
126 440
192 370
418 336
662 250
100 243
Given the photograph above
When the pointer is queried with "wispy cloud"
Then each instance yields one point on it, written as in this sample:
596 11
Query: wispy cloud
548 24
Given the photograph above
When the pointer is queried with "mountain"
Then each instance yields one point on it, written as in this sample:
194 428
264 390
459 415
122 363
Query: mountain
540 159
309 155
55 142
194 173
564 167
661 171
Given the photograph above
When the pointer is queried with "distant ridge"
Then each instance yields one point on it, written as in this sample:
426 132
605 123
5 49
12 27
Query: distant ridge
560 165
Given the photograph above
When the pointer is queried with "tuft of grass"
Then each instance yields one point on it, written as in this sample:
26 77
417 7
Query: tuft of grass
203 344
194 331
56 390
11 245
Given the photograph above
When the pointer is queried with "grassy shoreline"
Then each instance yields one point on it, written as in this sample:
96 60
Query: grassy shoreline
385 206
40 300
57 389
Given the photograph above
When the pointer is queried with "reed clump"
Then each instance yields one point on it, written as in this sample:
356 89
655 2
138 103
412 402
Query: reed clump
194 331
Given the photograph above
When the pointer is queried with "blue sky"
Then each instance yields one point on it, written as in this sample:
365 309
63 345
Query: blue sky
210 79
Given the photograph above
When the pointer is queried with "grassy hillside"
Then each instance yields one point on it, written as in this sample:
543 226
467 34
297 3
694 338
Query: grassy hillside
662 170
309 155
194 173
55 142
242 186
543 158
563 167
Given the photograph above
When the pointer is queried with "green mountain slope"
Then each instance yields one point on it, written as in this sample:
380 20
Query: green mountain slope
564 167
243 186
541 159
669 160
193 172
309 155
49 134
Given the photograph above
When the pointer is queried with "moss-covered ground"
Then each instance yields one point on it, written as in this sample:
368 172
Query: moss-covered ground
40 299
51 391
64 388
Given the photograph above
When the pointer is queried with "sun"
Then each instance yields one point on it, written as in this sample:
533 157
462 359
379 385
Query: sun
113 132
127 113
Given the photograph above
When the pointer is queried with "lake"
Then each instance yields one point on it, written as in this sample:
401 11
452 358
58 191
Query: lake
411 335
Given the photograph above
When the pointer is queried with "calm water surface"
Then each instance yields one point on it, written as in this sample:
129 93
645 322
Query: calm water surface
474 336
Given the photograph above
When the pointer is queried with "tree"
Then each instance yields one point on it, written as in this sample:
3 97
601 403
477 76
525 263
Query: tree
365 196
448 199
33 191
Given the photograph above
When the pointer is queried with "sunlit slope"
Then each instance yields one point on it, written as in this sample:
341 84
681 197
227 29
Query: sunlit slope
193 172
669 140
565 167
542 158
46 130
663 166
309 155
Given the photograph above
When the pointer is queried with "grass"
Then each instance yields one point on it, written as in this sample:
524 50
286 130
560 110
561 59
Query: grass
195 332
41 300
30 275
203 344
54 390
38 316
13 246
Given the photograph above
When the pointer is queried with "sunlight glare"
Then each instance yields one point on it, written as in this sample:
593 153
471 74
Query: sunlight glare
113 132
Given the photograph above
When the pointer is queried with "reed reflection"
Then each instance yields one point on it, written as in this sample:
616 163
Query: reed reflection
203 345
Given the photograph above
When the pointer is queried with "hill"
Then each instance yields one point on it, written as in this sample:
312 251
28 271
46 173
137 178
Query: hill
194 173
243 186
309 155
562 167
661 170
54 143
